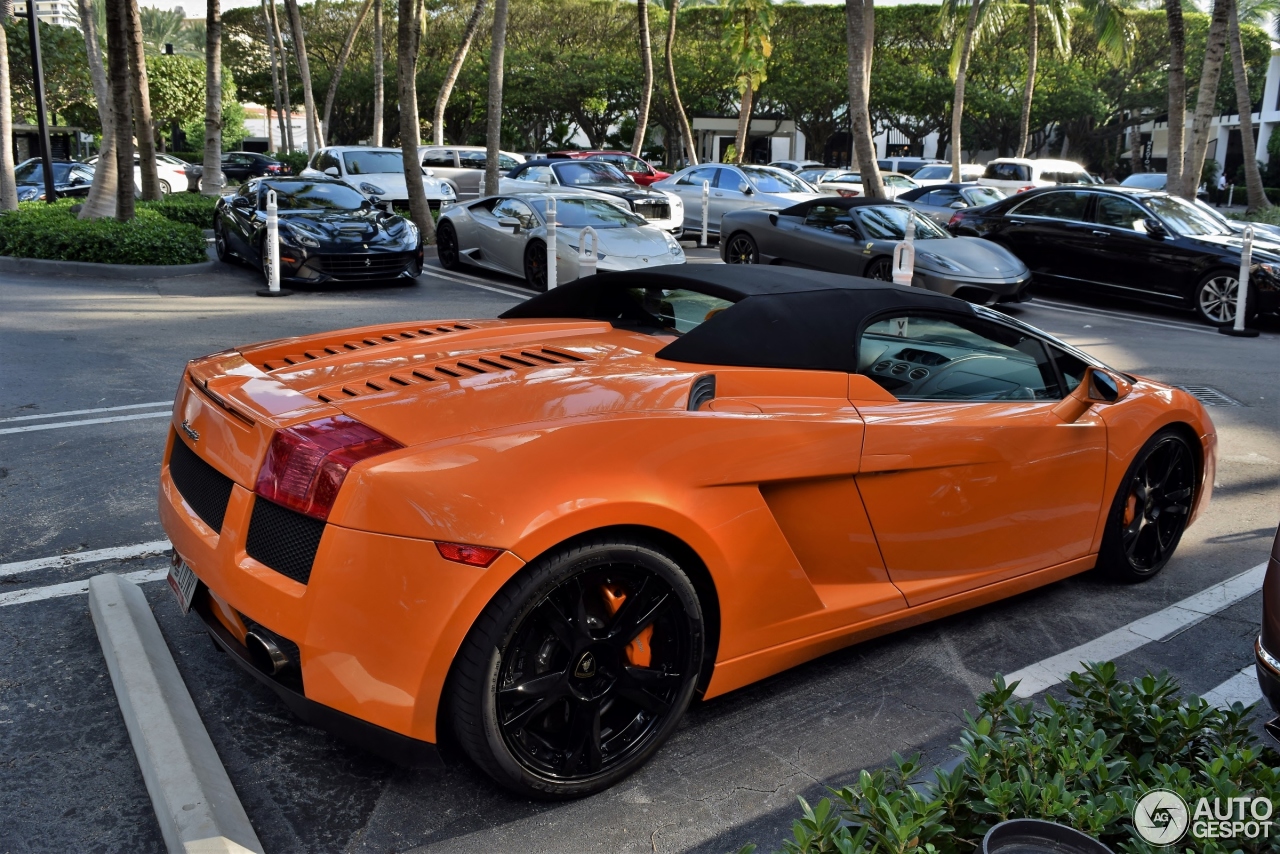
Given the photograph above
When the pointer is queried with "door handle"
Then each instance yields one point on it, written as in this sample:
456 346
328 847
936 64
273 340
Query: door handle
1016 222
719 195
1097 233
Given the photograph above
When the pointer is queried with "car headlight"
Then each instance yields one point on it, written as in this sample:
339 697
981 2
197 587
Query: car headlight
673 245
1270 269
29 194
371 189
296 237
446 189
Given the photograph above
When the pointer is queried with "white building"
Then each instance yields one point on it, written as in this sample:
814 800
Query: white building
60 12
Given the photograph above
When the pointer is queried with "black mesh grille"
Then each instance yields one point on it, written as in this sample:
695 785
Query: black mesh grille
369 266
283 539
202 486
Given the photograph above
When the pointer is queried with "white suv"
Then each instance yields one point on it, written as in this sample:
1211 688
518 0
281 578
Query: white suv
1017 174
376 173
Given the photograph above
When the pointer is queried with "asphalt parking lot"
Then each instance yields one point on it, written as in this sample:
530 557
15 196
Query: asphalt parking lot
87 369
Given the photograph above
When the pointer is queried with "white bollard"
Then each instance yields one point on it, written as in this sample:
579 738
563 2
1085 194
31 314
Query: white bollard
271 246
1231 195
706 200
1242 289
587 257
480 189
551 242
904 256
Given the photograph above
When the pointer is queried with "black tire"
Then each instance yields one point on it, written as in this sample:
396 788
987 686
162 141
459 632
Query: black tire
535 265
741 249
1151 509
447 246
546 695
880 269
220 240
1214 298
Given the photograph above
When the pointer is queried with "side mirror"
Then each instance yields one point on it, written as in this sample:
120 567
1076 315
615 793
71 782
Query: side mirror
845 230
958 205
242 202
1098 386
1155 228
545 179
510 222
744 188
332 172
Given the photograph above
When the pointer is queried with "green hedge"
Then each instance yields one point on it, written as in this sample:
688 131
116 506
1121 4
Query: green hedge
1083 762
190 208
53 233
297 161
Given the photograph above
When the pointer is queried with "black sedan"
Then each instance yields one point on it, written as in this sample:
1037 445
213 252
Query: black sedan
69 179
243 165
659 209
328 232
1266 648
1143 244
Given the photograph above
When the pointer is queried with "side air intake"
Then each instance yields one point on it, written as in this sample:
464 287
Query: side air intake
703 391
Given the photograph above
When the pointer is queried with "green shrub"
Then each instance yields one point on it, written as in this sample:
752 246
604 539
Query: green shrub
53 233
1083 762
1270 216
191 208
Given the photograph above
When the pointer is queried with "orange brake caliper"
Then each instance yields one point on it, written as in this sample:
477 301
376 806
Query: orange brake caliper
638 651
1130 509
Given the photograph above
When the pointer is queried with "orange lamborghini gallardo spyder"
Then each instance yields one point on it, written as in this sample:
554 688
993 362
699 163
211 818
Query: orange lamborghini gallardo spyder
547 533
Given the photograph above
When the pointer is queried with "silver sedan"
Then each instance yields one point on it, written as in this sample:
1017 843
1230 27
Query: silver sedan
941 202
733 188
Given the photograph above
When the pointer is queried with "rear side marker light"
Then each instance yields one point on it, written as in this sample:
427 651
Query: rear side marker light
307 463
480 556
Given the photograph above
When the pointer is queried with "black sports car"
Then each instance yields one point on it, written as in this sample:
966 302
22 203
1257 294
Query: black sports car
328 231
1144 244
69 179
664 210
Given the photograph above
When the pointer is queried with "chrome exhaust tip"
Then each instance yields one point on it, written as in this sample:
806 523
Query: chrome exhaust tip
1273 728
265 654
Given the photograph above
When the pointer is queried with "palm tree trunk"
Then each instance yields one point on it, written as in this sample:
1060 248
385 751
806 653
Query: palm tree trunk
646 94
858 40
122 121
1033 51
1177 94
284 77
1244 104
379 57
143 130
101 201
211 178
342 64
744 124
957 104
493 128
686 133
8 184
1198 145
455 68
409 37
275 76
315 139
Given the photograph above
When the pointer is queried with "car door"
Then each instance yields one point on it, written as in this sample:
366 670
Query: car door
1126 257
728 193
689 188
970 478
936 204
241 221
1049 232
826 239
502 245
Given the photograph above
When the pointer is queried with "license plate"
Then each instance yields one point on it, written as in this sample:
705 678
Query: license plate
184 583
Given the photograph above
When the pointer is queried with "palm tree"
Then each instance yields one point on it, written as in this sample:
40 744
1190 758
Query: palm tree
1197 145
860 28
1244 105
978 18
1177 94
144 129
686 133
160 27
409 38
493 127
343 56
275 78
379 57
455 68
315 139
747 24
101 201
646 94
8 184
122 119
273 24
211 178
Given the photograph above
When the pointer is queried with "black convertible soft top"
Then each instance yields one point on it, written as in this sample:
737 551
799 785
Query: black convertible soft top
845 202
781 317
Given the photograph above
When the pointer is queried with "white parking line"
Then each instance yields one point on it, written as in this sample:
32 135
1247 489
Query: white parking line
1180 615
32 428
1127 318
459 279
72 588
1241 688
88 411
60 561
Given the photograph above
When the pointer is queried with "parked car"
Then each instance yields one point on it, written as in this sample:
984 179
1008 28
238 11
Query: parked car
70 179
795 165
541 537
172 172
508 233
857 237
906 165
243 165
1156 181
814 175
733 188
462 166
940 201
660 209
849 184
1142 244
328 232
640 171
940 173
1019 174
378 173
1266 648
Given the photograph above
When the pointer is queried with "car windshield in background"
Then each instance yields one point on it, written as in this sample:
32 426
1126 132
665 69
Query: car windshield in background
597 213
1145 181
983 195
678 310
846 178
589 172
767 180
32 173
1184 217
373 162
933 173
316 197
1007 172
1067 177
890 223
814 176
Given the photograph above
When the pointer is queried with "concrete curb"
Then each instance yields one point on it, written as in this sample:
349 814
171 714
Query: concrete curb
195 803
106 271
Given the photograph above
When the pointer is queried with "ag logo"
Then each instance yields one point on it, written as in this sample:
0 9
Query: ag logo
1160 817
587 668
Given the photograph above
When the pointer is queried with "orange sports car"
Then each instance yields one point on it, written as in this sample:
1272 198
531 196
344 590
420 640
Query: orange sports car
545 534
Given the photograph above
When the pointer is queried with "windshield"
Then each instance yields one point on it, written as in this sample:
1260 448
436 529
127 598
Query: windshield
32 173
889 222
1147 181
846 178
597 213
767 180
933 173
1182 217
314 197
589 172
677 310
373 162
983 195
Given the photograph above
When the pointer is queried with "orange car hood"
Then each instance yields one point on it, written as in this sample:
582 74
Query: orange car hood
423 383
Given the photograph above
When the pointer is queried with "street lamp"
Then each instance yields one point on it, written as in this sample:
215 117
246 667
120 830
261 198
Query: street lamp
37 75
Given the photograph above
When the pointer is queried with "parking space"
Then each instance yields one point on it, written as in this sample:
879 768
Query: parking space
85 481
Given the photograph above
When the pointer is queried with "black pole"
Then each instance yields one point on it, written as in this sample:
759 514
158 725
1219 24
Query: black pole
37 74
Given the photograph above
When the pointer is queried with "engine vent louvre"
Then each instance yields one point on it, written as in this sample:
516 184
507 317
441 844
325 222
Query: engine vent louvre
349 346
703 391
470 366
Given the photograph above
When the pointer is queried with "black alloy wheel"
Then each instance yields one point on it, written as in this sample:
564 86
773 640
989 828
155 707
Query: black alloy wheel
579 669
1151 509
535 265
741 249
881 269
447 246
220 240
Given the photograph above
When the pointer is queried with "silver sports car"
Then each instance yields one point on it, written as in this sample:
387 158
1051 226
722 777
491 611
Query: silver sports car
508 233
857 237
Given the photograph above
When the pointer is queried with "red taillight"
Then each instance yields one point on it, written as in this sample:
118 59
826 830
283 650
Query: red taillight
955 219
307 463
847 194
1024 189
480 556
274 167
